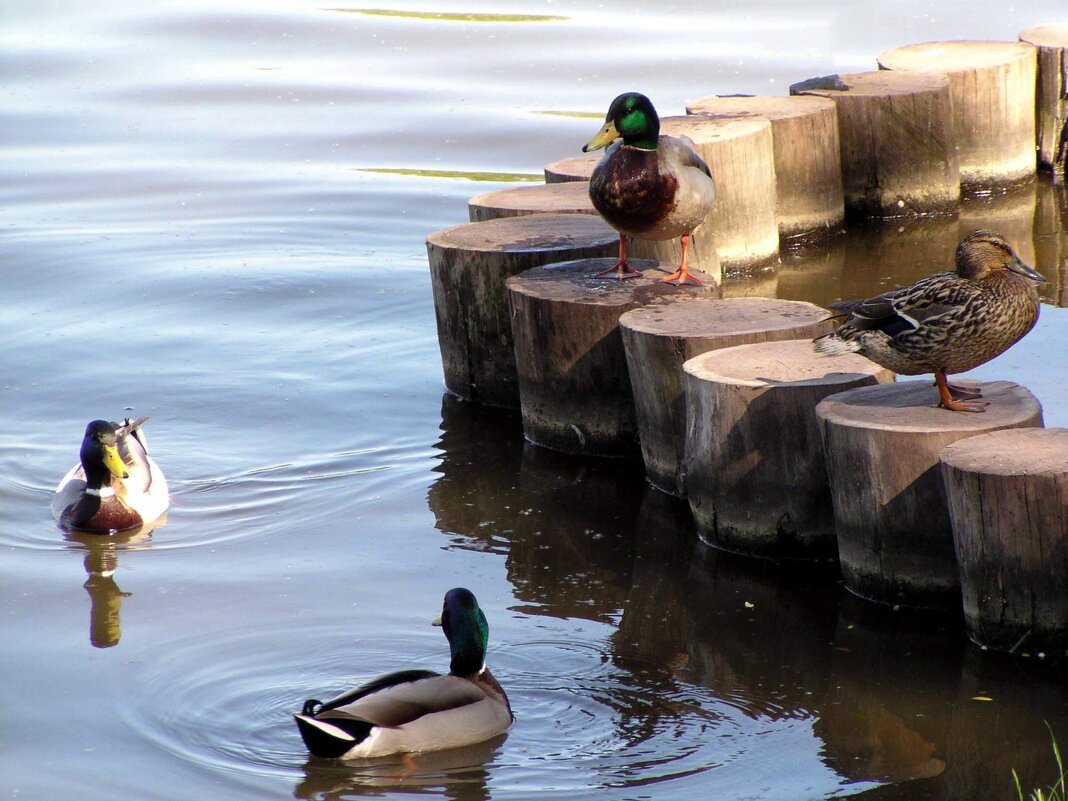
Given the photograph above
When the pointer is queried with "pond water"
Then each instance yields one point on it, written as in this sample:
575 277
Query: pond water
214 214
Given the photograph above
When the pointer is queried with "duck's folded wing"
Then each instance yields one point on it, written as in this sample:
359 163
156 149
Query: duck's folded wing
908 308
402 703
682 151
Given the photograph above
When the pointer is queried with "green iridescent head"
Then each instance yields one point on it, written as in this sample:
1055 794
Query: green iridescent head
467 631
632 118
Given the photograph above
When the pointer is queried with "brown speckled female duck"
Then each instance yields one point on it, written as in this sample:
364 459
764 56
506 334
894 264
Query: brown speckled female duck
648 186
948 322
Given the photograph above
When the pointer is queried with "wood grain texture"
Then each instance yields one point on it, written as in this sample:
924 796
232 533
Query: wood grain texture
1051 117
898 143
572 370
754 466
572 168
469 265
660 337
559 198
895 542
808 162
993 89
1008 504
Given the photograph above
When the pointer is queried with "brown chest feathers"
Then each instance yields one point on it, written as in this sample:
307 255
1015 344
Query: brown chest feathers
630 192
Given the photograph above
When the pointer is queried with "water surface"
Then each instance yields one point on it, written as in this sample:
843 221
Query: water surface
214 214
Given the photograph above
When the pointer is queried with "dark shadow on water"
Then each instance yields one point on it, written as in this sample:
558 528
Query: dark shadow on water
889 694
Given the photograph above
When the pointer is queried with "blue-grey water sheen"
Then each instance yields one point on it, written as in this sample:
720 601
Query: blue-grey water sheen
214 214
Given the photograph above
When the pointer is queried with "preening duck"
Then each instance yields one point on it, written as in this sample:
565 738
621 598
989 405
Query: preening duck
946 323
116 486
648 186
417 710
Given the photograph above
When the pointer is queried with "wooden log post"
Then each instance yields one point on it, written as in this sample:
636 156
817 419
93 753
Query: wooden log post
808 161
468 267
882 446
660 337
561 198
898 144
1051 111
754 468
572 168
573 385
741 226
993 89
1008 504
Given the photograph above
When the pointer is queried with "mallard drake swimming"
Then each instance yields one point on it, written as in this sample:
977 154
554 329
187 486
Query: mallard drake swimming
417 710
948 322
116 486
648 186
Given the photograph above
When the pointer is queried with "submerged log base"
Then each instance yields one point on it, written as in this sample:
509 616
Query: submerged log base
1051 119
755 474
660 337
573 384
898 146
993 89
468 267
882 445
740 155
1008 503
573 168
808 163
567 198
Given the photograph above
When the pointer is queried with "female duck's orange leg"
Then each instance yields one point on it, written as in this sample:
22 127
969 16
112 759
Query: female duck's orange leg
622 270
945 393
682 275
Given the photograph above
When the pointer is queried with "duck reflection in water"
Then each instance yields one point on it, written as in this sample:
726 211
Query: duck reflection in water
461 774
101 562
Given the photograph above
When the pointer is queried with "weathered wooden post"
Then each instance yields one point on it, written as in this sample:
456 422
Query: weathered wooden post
898 144
808 161
882 446
660 337
468 267
572 168
561 198
741 157
1008 503
573 385
1051 118
754 467
993 88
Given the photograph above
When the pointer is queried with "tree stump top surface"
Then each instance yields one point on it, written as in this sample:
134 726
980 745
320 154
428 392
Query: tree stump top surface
790 362
528 233
878 83
956 56
1052 35
1012 452
910 406
704 130
580 167
575 282
564 197
708 317
775 107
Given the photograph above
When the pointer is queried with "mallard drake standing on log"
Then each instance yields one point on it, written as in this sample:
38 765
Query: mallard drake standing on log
648 186
949 322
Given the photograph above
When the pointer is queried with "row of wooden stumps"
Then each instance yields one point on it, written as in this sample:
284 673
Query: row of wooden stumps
780 453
